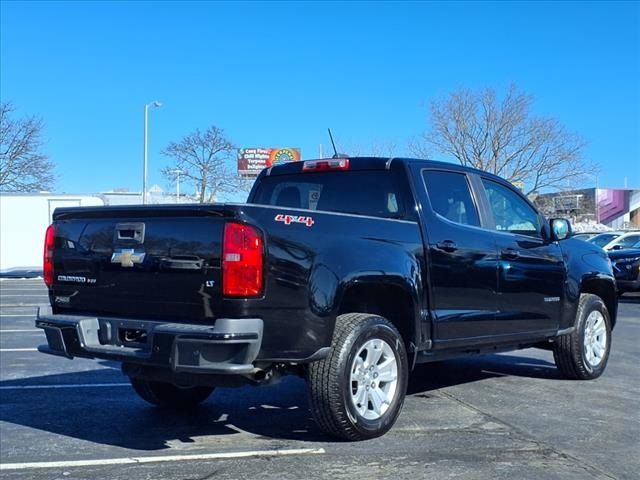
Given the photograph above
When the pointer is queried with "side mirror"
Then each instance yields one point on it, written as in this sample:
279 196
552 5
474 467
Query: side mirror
617 247
560 229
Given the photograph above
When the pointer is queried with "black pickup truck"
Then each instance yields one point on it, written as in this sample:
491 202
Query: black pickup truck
346 271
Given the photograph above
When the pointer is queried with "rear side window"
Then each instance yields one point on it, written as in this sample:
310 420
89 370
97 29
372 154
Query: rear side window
450 197
376 193
510 211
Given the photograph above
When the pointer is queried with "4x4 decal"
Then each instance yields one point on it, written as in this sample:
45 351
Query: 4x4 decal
289 219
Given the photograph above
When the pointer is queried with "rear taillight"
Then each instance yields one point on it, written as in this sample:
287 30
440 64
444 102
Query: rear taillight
242 261
47 263
323 165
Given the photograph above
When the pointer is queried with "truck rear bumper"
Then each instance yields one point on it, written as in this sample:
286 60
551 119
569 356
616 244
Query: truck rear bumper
230 346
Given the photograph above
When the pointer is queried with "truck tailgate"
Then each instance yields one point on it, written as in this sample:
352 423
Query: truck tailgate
162 263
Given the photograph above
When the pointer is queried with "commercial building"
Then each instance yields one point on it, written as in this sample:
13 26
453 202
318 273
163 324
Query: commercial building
616 208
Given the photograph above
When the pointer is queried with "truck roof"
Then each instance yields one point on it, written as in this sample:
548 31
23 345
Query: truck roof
376 163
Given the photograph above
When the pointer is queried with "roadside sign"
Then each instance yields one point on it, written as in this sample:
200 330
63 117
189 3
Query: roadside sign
252 160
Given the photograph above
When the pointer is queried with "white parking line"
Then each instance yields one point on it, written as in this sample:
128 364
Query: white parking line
18 350
27 330
168 458
34 293
65 385
25 305
22 281
28 295
24 289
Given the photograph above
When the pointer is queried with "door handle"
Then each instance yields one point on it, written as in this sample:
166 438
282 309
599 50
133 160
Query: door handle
447 246
510 253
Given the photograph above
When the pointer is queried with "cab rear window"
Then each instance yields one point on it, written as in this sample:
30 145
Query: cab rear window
376 193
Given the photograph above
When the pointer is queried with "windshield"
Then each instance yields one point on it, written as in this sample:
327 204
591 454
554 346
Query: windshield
604 238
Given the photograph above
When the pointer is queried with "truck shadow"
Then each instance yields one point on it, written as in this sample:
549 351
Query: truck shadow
115 416
631 298
432 376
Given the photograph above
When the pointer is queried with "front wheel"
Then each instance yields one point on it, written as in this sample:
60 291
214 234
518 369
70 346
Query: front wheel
357 391
583 355
168 395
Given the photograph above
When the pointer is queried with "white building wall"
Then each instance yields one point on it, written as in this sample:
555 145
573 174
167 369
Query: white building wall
23 221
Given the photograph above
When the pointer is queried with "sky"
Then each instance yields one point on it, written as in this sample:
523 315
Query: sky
278 74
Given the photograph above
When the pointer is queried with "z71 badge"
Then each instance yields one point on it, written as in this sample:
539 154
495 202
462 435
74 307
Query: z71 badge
289 219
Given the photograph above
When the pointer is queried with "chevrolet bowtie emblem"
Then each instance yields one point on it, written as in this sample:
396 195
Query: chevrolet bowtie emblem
127 257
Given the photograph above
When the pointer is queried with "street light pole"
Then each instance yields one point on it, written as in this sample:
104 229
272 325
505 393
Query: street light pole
144 165
154 104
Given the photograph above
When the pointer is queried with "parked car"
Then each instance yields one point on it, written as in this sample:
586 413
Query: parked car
345 271
585 235
626 240
626 268
603 238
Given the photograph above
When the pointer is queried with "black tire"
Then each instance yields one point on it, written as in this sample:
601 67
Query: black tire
167 395
329 380
569 351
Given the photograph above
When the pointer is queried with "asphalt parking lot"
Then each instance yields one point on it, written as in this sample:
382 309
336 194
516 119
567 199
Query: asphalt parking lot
496 416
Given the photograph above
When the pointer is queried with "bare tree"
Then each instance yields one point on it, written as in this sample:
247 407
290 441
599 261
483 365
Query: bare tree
501 136
204 160
377 148
23 168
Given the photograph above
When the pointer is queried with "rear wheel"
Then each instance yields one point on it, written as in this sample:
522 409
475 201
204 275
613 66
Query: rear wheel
168 395
583 355
357 392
